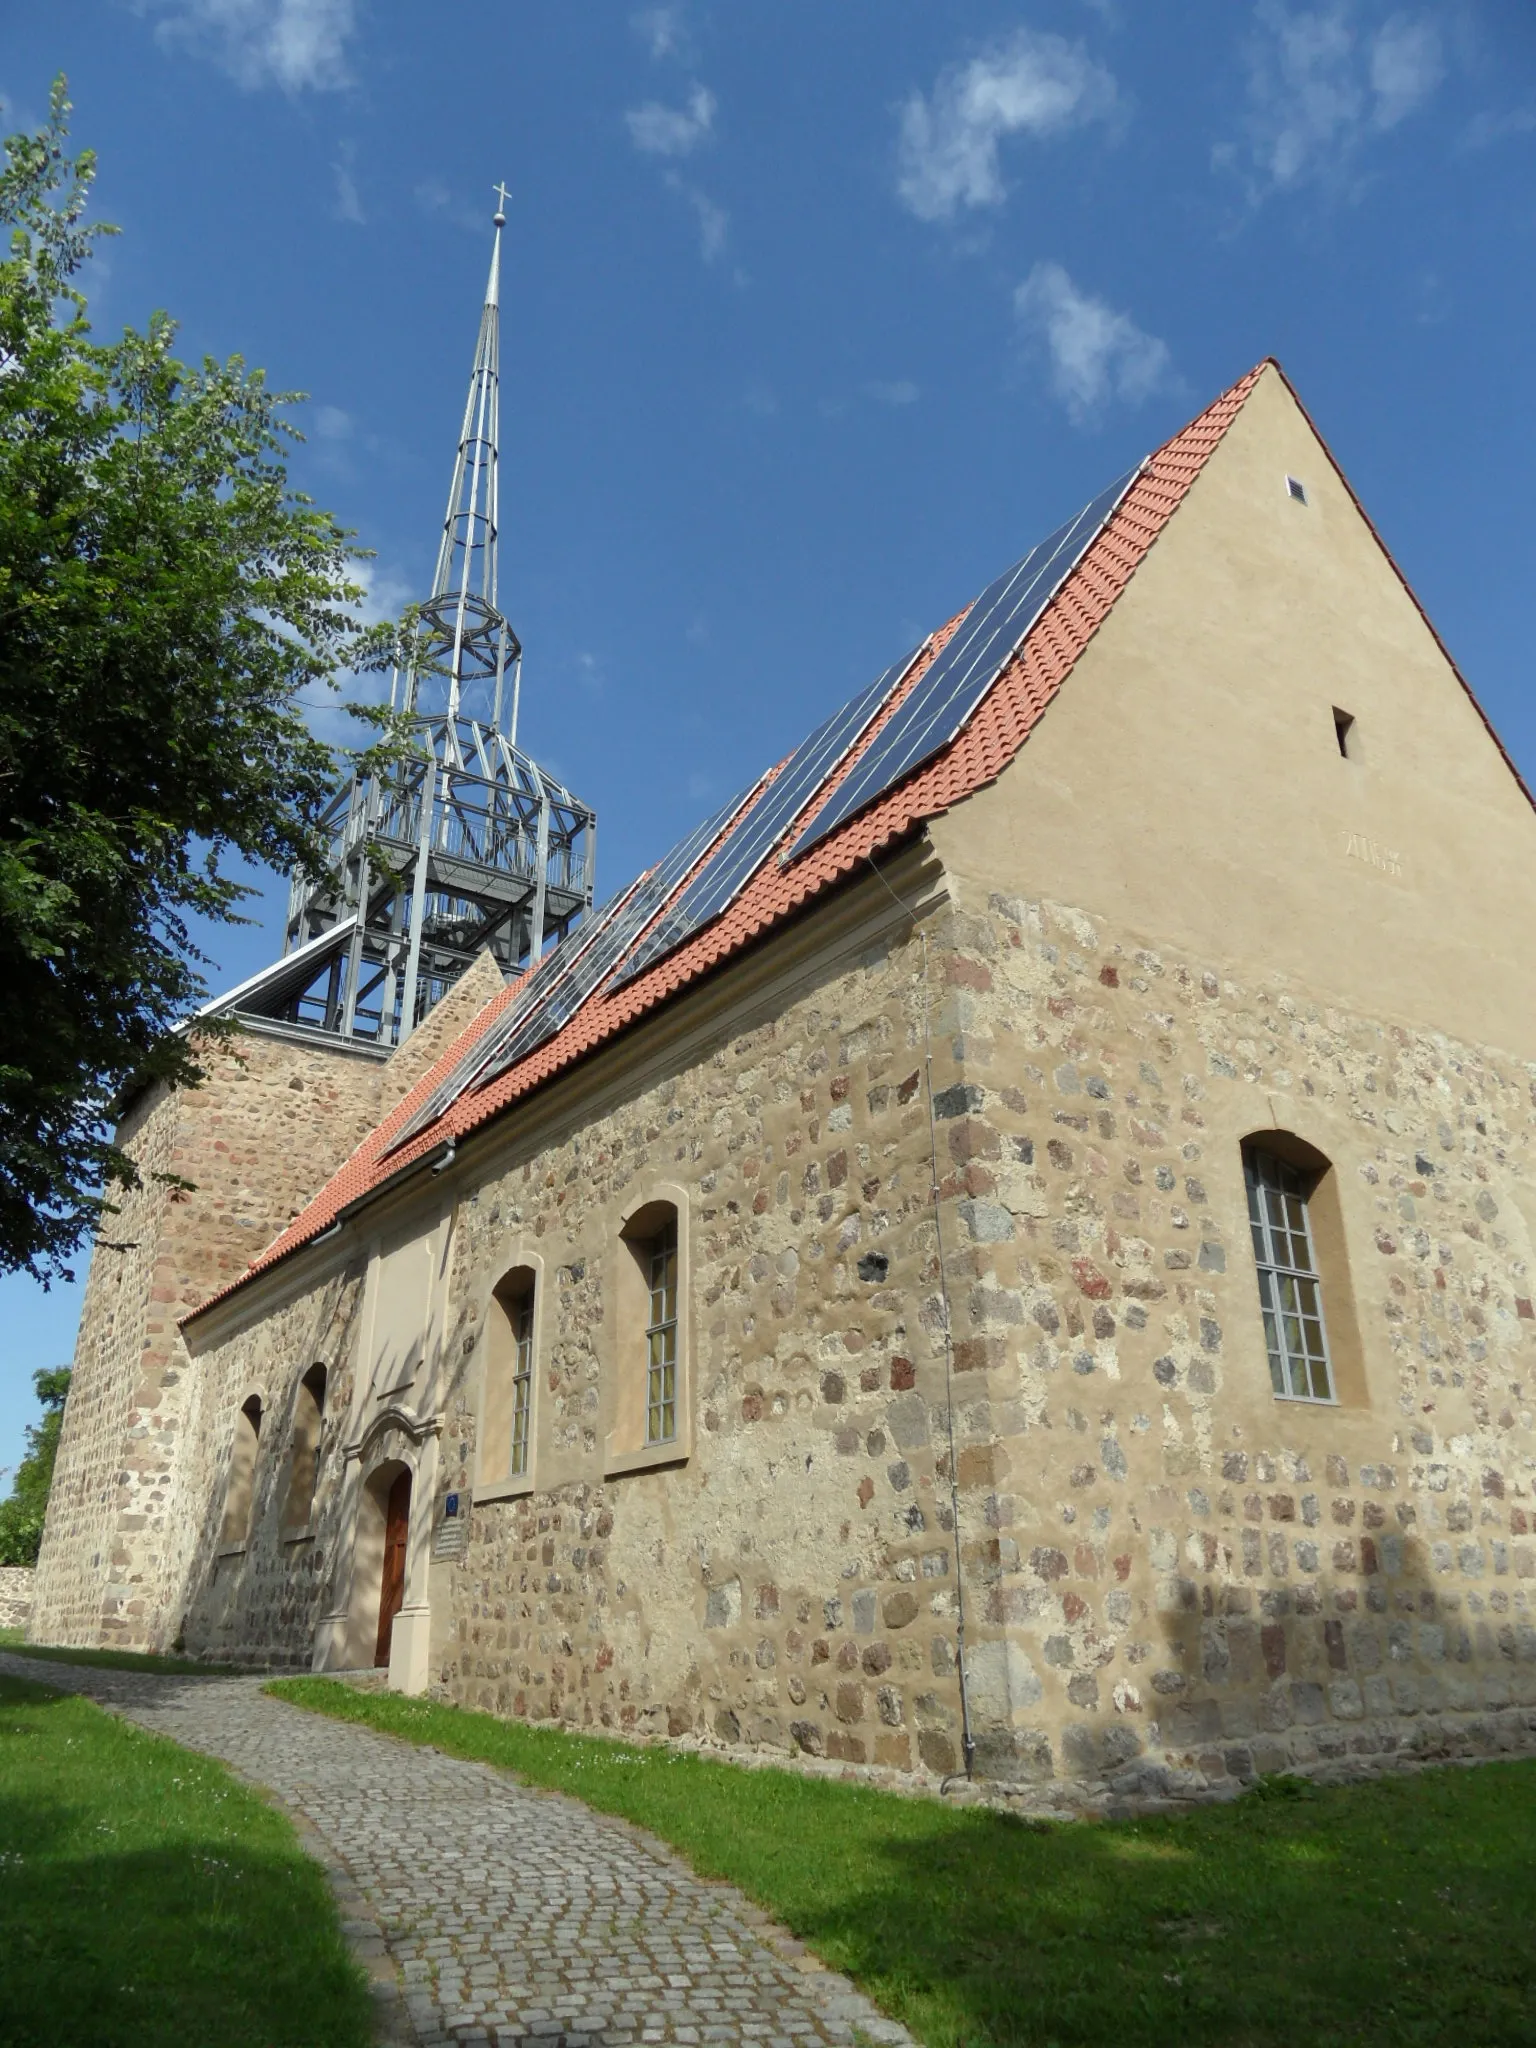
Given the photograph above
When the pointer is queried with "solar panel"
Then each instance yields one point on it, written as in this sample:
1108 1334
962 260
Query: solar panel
559 1000
555 963
958 679
567 974
744 849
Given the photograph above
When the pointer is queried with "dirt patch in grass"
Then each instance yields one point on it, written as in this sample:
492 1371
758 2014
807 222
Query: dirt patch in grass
149 1900
1377 1915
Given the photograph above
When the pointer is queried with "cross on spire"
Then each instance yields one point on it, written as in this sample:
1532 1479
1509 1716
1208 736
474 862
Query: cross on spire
501 199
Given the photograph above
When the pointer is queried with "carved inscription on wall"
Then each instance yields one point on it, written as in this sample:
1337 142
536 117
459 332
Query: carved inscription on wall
1373 853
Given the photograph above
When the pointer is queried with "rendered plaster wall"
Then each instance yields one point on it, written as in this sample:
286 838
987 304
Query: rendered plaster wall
269 1123
1187 781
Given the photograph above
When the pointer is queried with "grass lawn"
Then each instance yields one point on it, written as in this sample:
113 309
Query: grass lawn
11 1640
1398 1912
149 1900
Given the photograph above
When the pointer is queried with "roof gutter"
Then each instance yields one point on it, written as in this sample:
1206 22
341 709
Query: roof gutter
437 1160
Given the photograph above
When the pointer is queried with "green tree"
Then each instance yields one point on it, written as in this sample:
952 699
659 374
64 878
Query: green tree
22 1516
166 601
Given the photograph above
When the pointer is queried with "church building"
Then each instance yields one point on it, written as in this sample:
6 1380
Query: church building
1009 1251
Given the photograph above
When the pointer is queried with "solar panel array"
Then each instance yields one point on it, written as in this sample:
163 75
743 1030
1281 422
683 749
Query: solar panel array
957 680
938 706
566 976
744 849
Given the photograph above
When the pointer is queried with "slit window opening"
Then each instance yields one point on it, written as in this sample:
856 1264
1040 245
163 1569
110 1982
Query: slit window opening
1290 1292
1343 727
661 1340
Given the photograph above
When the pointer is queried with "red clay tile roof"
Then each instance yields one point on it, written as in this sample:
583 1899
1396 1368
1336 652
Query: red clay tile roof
976 756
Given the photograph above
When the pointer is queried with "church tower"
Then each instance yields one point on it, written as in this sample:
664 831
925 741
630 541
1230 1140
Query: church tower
471 844
447 874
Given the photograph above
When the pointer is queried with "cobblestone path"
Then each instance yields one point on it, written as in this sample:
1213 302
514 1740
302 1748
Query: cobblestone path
487 1912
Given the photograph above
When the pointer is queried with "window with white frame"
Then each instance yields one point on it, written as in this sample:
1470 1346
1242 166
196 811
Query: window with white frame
511 1342
661 1337
1290 1286
521 1312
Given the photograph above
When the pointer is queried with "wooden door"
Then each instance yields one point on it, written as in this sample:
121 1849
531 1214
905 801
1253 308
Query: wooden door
397 1524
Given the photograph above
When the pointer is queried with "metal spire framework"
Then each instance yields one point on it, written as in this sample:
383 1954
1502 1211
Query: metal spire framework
470 845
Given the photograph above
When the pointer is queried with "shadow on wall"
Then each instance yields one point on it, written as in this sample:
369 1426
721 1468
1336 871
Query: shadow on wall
1389 1664
255 1599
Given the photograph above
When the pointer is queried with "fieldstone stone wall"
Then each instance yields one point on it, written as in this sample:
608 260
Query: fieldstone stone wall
1172 1580
794 1584
257 1600
15 1594
271 1120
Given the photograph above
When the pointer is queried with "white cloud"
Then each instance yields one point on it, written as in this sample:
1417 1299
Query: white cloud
349 201
19 119
332 424
1488 128
433 196
1406 67
901 391
672 131
1033 84
714 222
661 28
1322 82
1096 353
289 43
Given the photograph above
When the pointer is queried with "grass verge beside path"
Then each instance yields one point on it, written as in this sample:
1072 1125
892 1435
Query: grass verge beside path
1379 1915
149 1900
114 1660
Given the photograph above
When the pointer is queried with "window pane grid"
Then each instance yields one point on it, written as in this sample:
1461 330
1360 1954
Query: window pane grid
522 1384
661 1342
1290 1299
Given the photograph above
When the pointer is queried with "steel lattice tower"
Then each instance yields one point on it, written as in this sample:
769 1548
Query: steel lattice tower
472 844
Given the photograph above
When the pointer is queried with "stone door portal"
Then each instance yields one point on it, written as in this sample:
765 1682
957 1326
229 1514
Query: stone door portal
392 1591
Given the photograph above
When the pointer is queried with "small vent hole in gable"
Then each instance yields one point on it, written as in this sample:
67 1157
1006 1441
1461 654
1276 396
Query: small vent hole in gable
1343 727
1296 489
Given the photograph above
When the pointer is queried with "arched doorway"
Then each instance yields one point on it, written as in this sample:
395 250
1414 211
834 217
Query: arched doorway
397 1522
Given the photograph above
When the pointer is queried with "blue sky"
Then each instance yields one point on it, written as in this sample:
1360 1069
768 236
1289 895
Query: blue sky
817 313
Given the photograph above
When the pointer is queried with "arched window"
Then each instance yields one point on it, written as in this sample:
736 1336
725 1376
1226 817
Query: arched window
507 1449
304 1463
646 1340
240 1496
660 1257
651 1238
1306 1300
